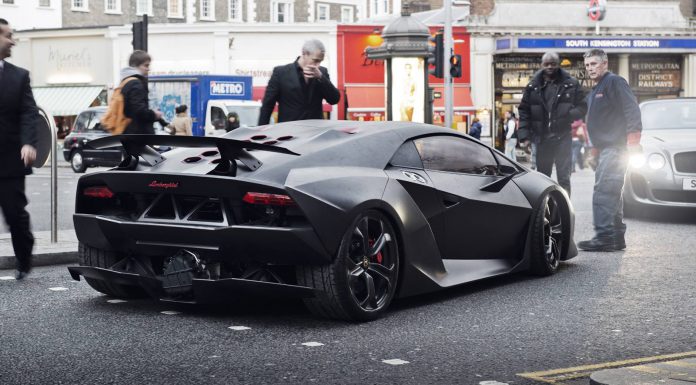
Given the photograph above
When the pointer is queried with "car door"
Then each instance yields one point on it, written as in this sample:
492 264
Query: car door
485 215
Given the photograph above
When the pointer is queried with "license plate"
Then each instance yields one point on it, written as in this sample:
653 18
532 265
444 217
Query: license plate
689 184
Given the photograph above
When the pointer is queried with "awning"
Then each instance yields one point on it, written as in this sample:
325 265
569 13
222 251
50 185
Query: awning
65 101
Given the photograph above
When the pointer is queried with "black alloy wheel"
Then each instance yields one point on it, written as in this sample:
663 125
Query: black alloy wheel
361 282
547 240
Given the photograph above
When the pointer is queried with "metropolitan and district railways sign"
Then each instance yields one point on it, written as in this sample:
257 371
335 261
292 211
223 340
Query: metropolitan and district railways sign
656 74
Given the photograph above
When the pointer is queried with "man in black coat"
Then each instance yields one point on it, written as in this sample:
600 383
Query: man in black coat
299 87
551 102
18 137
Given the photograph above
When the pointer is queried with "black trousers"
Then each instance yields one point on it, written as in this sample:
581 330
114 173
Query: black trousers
556 150
13 203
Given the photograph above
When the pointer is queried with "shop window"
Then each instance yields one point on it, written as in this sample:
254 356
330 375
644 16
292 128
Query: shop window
281 11
235 7
112 6
207 10
454 154
143 7
322 12
175 8
347 14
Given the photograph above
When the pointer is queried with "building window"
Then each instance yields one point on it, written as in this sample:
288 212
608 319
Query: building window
322 12
112 6
281 11
10 2
235 7
175 8
346 14
143 7
45 3
207 10
80 5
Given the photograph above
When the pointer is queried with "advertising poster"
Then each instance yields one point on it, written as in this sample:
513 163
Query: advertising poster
408 90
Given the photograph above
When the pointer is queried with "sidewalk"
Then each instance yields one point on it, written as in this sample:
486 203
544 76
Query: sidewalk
45 252
679 372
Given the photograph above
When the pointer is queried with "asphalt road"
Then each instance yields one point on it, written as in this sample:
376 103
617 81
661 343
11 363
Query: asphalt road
600 307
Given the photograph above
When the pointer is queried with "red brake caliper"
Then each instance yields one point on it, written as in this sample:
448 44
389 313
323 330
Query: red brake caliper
379 253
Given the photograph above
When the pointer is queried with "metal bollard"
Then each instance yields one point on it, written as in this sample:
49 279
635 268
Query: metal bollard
54 173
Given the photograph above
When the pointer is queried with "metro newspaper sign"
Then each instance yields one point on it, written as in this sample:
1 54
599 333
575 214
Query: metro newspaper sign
622 43
226 88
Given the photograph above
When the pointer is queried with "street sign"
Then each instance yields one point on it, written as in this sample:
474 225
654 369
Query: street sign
597 10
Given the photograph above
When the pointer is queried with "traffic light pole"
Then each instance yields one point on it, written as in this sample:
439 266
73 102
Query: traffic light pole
448 43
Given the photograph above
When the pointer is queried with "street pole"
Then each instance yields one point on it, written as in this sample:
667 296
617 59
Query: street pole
447 38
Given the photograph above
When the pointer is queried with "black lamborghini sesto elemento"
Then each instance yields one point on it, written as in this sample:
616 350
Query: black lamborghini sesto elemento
346 215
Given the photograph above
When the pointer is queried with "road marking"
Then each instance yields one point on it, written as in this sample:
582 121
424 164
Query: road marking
59 288
395 361
6 278
312 343
493 383
170 312
116 301
238 328
555 376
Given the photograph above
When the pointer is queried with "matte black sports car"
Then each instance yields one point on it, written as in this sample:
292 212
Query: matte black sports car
346 215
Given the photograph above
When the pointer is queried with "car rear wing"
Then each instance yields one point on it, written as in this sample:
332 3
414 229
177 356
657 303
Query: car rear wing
230 149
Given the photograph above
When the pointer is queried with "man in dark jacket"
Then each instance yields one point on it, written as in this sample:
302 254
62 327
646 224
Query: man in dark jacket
299 87
614 127
135 95
550 104
18 139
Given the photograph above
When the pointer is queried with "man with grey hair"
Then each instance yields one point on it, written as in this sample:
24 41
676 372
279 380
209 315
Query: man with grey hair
550 104
299 87
614 126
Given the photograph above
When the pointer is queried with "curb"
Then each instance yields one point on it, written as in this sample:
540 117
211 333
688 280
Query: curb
44 253
677 372
57 258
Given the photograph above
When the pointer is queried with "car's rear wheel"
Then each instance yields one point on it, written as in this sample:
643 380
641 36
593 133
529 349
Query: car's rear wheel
77 162
93 257
361 282
547 237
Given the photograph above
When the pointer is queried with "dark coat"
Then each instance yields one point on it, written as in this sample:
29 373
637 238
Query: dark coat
285 88
475 130
18 120
568 105
613 112
137 107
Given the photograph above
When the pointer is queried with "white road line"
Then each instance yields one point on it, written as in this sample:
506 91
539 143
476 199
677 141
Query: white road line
116 301
170 312
395 361
6 278
59 288
492 383
312 343
238 328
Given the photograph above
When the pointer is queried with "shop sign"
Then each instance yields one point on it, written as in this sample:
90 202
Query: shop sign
618 43
656 74
372 116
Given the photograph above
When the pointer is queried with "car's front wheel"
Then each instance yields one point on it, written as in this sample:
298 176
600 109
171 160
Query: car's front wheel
77 162
361 282
547 237
91 256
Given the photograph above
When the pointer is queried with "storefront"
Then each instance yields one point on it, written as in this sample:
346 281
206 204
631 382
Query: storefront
361 80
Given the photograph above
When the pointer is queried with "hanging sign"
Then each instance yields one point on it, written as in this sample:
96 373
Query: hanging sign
597 10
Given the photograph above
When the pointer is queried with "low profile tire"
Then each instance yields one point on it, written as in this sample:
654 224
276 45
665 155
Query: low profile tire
90 256
547 237
361 282
77 162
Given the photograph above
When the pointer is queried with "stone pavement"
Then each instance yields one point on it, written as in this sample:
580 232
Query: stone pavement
45 252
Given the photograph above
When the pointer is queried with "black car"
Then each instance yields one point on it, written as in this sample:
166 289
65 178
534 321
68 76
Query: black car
85 129
346 215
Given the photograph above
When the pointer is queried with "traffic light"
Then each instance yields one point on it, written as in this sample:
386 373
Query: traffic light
437 51
456 66
140 34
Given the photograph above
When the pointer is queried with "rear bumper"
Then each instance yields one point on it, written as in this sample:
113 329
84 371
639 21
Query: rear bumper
278 245
203 290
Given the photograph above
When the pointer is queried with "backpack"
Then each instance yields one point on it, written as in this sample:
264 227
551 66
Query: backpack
115 120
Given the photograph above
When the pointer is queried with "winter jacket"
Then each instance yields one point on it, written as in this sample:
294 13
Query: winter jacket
136 104
612 112
536 121
475 130
181 125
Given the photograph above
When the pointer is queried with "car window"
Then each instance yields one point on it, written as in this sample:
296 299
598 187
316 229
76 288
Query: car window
217 117
407 156
94 123
455 154
82 121
248 115
669 114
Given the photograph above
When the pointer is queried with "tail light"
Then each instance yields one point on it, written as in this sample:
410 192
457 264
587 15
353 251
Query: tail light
98 192
256 198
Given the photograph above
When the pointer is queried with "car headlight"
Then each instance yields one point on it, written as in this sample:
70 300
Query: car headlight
637 160
656 161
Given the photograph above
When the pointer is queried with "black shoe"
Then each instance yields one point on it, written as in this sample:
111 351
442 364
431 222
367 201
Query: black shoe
619 243
595 244
20 275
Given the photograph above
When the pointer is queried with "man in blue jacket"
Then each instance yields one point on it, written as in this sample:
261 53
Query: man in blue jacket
614 126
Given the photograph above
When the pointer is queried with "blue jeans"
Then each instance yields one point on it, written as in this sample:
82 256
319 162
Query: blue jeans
577 154
510 145
607 200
